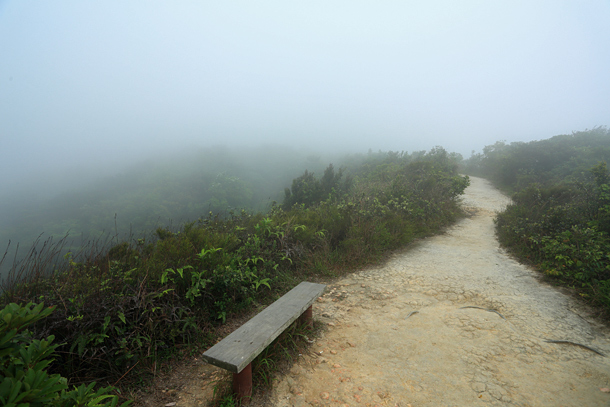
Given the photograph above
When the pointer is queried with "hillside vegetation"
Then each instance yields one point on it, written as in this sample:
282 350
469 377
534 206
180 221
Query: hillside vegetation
168 189
560 217
120 311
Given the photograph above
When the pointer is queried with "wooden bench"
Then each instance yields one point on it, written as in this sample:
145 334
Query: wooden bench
235 352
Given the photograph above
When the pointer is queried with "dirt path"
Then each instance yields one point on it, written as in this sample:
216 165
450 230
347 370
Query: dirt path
377 352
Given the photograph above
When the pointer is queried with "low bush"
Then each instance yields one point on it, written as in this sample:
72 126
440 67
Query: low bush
24 362
563 230
122 311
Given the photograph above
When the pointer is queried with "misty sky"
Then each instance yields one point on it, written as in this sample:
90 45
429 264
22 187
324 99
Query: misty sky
86 83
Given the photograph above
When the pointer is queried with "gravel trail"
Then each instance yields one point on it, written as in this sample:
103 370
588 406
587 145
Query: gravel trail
453 321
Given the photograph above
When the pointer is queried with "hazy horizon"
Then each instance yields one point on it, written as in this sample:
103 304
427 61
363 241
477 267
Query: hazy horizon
86 88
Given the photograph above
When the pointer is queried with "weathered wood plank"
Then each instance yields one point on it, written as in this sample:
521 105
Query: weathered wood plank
238 349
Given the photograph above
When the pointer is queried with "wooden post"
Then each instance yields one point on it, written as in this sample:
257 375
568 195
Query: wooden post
242 384
306 318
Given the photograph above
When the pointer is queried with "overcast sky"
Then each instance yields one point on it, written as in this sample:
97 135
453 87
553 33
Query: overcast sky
90 82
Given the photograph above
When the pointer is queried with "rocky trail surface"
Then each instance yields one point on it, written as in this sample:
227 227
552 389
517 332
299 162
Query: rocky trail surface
452 321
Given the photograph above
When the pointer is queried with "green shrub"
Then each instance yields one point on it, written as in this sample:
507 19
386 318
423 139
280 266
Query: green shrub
120 312
308 191
24 362
562 230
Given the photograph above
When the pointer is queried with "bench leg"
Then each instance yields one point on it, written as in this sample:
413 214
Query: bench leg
242 383
306 318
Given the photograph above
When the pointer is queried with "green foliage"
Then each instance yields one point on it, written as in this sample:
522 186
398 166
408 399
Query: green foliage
175 188
514 166
24 362
562 225
558 230
392 199
308 190
228 401
121 310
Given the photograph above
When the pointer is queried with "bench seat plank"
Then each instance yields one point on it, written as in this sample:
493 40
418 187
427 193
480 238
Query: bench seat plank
238 349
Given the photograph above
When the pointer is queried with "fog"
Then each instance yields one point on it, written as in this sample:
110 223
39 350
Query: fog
87 88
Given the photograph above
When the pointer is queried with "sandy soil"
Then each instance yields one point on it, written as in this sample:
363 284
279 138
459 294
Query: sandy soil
399 335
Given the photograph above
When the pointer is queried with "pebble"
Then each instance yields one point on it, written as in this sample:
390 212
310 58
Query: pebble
478 387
